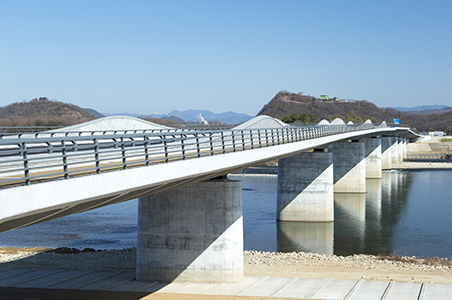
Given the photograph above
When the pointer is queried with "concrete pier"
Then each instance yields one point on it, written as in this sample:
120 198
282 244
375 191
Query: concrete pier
401 144
305 187
192 233
394 150
386 153
349 167
373 157
405 143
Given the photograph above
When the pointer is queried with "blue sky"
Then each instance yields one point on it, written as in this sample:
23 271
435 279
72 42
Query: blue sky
157 56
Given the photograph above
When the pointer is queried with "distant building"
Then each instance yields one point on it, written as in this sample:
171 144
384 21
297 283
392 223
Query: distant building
437 133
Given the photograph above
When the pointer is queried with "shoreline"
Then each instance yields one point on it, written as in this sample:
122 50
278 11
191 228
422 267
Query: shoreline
256 263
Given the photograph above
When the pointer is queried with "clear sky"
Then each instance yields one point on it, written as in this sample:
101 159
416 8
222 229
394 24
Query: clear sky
221 55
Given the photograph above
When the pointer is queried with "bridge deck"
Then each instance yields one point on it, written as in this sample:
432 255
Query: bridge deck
296 288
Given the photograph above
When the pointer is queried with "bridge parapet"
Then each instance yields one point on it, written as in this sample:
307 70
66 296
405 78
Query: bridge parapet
44 156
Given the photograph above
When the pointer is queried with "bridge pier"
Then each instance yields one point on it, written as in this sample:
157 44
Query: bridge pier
386 155
400 146
373 157
192 233
305 187
349 167
405 143
394 150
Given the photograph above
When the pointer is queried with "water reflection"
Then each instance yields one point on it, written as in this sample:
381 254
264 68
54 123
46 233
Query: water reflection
350 223
314 237
364 223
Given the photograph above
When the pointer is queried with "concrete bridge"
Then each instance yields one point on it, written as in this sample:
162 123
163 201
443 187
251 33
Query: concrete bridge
190 214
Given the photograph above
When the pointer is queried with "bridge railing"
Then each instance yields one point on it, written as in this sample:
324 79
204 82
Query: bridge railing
27 159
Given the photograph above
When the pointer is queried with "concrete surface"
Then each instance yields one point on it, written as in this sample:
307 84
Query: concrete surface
192 233
349 167
386 155
305 187
372 152
125 286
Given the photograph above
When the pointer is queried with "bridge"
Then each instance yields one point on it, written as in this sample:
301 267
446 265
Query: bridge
190 214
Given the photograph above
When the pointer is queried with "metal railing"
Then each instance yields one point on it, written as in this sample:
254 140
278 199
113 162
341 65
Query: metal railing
32 158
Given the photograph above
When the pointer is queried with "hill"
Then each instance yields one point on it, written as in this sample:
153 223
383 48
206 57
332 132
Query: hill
425 109
42 112
286 103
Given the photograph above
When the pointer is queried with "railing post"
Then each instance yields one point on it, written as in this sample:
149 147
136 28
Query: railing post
211 143
165 147
243 141
25 158
182 138
146 152
123 154
251 137
259 136
222 142
197 145
96 155
233 141
64 153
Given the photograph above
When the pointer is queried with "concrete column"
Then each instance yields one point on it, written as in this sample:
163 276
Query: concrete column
400 143
373 157
405 142
386 153
349 167
305 187
394 150
192 233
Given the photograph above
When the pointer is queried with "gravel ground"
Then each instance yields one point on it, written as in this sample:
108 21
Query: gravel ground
422 166
256 263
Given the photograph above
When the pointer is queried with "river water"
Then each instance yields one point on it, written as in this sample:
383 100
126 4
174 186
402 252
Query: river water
404 213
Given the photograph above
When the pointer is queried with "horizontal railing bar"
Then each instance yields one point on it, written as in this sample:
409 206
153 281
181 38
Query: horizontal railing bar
31 158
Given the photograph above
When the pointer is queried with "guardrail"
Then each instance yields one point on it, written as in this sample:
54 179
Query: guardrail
33 158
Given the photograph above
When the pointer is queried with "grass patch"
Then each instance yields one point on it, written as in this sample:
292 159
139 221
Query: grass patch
444 140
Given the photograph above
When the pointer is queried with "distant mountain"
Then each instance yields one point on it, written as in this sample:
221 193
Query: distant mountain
94 113
425 109
420 108
42 112
226 117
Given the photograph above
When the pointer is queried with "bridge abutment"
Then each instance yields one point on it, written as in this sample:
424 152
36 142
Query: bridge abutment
305 187
349 167
192 233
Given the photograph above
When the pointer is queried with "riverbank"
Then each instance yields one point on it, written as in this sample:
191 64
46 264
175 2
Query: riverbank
256 263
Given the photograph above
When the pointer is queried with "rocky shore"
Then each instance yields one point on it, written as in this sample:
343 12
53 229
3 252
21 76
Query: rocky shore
256 263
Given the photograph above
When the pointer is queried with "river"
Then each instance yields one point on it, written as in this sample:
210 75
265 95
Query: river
404 213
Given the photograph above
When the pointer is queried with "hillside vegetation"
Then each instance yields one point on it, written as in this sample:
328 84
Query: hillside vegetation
42 112
286 103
